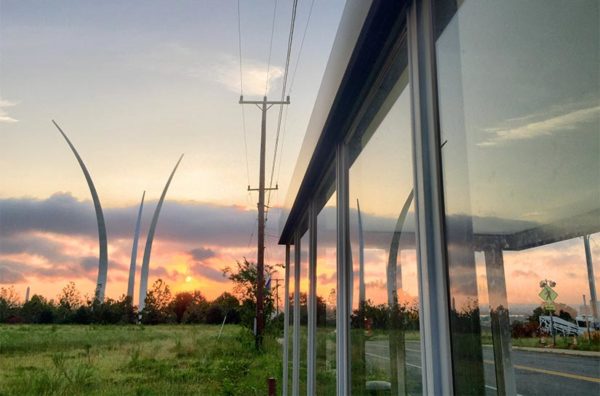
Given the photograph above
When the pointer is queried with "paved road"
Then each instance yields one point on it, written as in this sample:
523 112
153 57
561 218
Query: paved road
537 373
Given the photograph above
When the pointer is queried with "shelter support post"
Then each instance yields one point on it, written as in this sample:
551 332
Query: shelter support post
505 375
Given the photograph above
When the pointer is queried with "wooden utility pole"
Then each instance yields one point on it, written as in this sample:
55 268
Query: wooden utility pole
264 105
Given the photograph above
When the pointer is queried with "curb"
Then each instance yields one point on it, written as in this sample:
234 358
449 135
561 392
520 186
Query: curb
559 351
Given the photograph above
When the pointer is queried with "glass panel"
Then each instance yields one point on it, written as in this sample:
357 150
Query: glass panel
304 244
290 340
519 97
326 298
385 343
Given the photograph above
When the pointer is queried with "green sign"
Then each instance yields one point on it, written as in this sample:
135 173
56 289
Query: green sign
548 294
549 307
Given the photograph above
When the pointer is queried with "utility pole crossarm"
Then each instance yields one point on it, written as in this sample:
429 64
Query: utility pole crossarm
266 188
264 101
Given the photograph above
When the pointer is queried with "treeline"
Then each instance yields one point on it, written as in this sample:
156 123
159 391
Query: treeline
161 307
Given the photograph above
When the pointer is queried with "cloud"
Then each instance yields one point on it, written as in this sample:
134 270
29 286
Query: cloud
205 271
377 284
164 274
15 271
90 265
33 245
4 117
227 72
202 253
183 222
546 124
524 274
9 273
327 278
177 59
53 239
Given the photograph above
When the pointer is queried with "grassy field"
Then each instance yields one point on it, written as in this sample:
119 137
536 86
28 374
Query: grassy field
134 360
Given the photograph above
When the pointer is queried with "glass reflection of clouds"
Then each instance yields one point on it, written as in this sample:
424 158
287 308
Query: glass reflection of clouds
520 108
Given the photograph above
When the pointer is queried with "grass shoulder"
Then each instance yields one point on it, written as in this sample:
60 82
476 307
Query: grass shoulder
134 360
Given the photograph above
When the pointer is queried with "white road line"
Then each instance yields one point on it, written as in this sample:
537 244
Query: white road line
496 389
387 358
420 368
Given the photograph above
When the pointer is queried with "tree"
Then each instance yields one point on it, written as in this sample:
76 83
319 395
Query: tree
536 315
245 287
565 315
230 306
9 302
214 314
157 306
196 311
70 298
38 310
180 304
112 311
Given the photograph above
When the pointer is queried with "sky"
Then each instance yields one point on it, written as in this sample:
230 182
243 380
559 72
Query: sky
134 85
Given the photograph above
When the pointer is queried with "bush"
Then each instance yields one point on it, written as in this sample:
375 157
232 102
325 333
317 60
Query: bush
214 314
524 330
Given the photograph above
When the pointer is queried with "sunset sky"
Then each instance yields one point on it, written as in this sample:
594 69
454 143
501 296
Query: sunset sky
135 84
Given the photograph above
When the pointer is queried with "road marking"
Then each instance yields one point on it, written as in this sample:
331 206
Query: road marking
552 372
387 358
496 389
386 347
419 367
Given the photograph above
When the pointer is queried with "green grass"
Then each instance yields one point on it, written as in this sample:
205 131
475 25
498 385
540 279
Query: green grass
583 344
134 360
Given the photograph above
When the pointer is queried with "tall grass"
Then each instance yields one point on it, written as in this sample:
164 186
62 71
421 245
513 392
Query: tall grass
134 360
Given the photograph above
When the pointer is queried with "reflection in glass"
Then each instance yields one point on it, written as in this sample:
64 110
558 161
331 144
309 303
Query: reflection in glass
290 340
385 341
519 99
303 294
326 298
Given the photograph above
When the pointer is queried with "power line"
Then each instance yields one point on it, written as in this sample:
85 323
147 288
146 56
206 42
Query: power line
301 45
242 91
270 49
284 85
292 86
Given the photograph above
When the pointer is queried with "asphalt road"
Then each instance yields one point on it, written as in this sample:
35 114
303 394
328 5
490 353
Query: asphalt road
537 373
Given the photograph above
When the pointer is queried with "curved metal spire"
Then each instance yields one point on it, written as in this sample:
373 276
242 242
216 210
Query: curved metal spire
361 260
397 348
134 250
392 266
149 239
102 239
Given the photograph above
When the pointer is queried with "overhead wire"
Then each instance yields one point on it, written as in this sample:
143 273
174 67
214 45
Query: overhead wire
270 49
301 46
243 110
292 86
283 90
289 93
242 91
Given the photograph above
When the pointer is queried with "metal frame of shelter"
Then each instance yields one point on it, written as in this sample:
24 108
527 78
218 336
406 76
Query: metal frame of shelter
365 63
